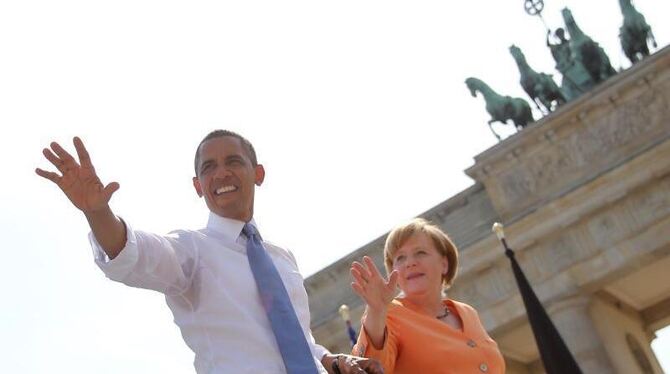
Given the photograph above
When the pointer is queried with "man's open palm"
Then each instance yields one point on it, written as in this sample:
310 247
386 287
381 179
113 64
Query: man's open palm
78 181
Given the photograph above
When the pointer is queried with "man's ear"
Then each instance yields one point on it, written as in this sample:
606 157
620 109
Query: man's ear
260 174
198 187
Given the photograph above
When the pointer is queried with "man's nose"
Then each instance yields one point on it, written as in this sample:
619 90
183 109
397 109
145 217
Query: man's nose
222 172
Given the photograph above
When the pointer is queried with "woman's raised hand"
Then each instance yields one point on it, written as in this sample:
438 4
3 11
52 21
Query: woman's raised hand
370 285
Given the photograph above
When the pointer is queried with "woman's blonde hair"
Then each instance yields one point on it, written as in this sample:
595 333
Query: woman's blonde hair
399 235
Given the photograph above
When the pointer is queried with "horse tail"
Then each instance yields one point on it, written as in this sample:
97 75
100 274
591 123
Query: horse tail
650 37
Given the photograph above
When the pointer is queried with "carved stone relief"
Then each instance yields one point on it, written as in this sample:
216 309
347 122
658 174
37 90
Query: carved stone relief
593 145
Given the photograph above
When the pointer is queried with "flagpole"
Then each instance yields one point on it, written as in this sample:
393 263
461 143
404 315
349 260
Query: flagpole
555 355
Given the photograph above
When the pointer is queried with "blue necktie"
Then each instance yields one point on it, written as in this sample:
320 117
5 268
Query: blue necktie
289 335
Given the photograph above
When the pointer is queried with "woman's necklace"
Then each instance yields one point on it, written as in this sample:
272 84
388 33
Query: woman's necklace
445 314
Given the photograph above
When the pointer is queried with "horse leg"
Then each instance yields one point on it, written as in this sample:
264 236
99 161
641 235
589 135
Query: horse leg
650 36
644 50
491 127
537 101
560 96
546 103
631 54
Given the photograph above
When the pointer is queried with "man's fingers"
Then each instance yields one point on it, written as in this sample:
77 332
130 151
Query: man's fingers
365 364
55 161
62 153
110 189
350 365
48 175
368 365
371 366
82 153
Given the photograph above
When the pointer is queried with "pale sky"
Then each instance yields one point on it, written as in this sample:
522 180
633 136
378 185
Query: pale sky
357 109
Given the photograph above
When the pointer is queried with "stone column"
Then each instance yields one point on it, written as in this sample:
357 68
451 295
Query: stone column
573 320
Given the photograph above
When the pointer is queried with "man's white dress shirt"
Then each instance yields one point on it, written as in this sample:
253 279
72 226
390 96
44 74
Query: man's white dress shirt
211 291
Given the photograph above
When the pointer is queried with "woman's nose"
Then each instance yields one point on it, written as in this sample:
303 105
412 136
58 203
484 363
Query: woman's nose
411 262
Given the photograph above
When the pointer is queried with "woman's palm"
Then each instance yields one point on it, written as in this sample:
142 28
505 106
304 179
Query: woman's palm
370 285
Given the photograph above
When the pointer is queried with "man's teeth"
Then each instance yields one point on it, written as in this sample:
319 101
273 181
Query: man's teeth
225 189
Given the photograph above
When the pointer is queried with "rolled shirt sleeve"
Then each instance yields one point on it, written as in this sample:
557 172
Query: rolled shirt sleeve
122 265
318 351
149 261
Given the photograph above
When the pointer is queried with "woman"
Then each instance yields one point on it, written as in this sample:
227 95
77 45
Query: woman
420 331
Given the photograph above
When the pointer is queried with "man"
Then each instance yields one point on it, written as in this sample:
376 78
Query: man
218 281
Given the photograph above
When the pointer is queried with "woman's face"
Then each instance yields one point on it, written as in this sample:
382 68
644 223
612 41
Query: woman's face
420 266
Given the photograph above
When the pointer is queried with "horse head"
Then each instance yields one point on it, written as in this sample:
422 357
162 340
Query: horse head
474 85
625 5
570 23
516 53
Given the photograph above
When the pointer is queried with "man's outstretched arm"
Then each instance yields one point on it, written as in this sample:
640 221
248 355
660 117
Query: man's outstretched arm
83 188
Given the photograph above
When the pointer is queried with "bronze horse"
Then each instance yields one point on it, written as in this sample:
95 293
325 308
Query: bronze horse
501 108
586 51
635 33
540 87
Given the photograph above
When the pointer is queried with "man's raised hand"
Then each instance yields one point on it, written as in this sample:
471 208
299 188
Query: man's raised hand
78 181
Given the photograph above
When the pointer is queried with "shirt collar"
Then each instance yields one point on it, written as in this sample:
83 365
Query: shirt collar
228 227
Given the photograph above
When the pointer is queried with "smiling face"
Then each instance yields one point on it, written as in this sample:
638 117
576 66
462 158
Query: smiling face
226 177
421 268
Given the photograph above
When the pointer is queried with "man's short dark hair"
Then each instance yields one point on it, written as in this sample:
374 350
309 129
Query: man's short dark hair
221 133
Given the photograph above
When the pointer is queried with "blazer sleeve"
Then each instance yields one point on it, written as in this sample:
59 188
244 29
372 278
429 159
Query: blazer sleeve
387 354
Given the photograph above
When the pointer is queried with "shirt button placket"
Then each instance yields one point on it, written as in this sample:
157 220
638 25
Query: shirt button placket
483 367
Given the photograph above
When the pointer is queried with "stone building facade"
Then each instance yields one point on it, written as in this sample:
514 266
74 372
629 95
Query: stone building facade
584 194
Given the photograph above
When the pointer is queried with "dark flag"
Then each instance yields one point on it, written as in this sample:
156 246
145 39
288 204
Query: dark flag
555 355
